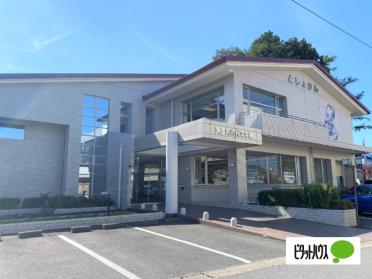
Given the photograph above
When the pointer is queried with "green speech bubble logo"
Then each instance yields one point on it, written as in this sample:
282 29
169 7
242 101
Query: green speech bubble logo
341 249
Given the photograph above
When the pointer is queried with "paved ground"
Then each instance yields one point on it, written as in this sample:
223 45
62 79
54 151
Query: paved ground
279 227
165 251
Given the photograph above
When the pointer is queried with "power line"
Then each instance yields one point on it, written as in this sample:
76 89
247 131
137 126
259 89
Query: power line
334 25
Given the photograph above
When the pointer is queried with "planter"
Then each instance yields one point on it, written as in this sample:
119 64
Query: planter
344 218
20 211
68 223
82 210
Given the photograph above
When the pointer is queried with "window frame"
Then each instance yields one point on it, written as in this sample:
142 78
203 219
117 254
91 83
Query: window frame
326 164
280 101
299 170
206 171
128 116
90 152
187 116
149 123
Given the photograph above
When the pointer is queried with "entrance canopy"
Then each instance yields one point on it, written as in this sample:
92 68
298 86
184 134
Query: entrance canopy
200 134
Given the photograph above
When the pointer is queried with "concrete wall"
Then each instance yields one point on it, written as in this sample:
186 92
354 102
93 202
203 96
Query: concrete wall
34 165
185 177
113 166
60 103
210 194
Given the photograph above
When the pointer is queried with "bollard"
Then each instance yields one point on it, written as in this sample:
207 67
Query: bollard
205 215
143 206
233 222
154 207
183 211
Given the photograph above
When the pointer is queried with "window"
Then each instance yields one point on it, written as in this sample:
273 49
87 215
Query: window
323 171
149 120
12 132
93 153
209 105
274 169
125 118
210 170
259 100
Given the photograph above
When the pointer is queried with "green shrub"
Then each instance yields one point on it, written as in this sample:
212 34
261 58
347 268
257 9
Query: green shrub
100 201
32 202
310 196
64 202
9 203
342 204
281 196
320 195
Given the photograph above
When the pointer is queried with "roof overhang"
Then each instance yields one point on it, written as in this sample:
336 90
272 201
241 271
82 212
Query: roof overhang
203 133
86 77
226 66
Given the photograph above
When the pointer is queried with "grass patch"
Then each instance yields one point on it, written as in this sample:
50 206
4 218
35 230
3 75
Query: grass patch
61 217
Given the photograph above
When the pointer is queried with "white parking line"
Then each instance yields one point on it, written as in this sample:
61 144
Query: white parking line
98 257
195 245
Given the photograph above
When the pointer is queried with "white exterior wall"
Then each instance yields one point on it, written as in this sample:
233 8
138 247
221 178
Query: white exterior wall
34 165
300 101
61 103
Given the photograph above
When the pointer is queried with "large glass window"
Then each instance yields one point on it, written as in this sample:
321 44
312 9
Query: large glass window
210 170
93 157
210 105
125 118
323 171
274 169
257 169
12 132
259 100
149 120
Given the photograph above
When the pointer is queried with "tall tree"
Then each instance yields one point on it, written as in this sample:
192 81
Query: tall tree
269 44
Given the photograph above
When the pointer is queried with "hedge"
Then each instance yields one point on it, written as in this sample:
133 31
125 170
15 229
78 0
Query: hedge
66 202
9 203
309 196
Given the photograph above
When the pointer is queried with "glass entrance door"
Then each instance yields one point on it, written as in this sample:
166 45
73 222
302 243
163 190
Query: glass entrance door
149 180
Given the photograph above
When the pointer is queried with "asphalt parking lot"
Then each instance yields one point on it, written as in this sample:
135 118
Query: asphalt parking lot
163 251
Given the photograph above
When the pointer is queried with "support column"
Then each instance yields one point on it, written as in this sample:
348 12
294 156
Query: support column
171 190
238 192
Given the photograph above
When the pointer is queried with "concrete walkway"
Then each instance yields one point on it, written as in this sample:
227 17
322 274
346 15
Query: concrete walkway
271 226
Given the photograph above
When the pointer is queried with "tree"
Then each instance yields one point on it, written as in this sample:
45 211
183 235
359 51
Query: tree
269 44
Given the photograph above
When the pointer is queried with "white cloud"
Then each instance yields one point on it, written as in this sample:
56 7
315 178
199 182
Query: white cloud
9 67
157 48
41 43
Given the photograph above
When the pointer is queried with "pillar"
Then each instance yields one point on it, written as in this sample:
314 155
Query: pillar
238 192
171 189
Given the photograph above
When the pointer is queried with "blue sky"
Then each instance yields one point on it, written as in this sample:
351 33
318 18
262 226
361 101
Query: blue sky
174 36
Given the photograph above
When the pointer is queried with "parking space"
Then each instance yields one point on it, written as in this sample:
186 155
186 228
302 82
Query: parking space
164 251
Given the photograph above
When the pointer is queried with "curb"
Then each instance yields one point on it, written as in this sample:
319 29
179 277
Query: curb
112 226
29 234
229 228
81 229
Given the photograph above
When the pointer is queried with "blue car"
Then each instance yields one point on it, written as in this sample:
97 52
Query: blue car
364 197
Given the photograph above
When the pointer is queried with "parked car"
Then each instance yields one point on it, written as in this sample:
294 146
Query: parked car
364 192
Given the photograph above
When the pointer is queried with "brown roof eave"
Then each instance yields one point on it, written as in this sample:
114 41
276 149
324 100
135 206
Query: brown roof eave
254 59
